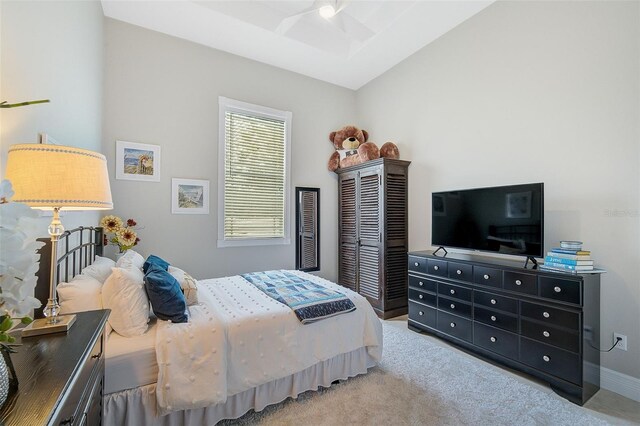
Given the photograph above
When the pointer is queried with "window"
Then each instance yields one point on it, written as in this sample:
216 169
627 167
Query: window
254 151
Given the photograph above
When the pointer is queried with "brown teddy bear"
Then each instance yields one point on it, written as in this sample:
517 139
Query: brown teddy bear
352 148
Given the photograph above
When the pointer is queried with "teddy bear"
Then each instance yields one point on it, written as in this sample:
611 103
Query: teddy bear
352 147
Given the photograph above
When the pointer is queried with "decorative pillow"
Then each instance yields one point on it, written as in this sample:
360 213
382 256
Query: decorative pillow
131 257
188 284
124 294
100 269
154 260
166 297
81 294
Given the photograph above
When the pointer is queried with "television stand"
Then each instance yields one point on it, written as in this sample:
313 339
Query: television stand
533 260
441 248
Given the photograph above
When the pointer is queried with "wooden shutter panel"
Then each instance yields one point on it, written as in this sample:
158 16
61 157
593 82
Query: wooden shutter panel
308 228
347 253
369 276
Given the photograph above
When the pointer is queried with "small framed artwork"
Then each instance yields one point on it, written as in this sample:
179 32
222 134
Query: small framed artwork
137 161
189 196
518 205
438 205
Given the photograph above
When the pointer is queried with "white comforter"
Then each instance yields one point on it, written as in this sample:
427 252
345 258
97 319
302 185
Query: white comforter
239 338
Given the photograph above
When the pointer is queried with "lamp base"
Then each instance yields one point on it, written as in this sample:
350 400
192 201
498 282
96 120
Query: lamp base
40 326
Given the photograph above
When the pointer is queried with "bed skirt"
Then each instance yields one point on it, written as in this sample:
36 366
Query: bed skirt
138 406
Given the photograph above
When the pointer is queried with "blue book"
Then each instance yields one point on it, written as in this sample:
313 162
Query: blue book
566 261
568 267
567 251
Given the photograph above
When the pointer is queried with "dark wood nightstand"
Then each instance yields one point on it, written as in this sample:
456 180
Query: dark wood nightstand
61 376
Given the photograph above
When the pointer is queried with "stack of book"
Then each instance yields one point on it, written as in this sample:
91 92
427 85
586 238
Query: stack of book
569 257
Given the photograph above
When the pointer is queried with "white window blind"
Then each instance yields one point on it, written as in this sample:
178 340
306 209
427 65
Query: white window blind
255 173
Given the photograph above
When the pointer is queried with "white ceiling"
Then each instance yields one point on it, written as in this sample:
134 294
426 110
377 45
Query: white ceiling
365 39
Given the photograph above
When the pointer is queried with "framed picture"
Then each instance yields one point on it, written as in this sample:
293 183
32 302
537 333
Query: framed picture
189 196
438 205
518 205
137 161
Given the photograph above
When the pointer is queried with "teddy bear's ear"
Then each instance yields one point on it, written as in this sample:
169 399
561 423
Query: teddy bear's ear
331 136
366 135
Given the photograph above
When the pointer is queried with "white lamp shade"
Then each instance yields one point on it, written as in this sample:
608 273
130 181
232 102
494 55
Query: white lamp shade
47 176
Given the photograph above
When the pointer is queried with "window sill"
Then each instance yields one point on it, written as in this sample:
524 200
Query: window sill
254 242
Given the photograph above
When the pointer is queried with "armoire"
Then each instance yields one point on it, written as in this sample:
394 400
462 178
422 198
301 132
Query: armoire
373 233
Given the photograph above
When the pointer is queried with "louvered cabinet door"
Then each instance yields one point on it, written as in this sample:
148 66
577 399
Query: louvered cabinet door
396 237
308 229
348 231
370 235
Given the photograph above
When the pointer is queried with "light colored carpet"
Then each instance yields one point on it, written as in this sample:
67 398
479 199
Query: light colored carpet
421 383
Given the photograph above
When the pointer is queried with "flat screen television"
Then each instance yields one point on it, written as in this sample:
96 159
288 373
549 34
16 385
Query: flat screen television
501 219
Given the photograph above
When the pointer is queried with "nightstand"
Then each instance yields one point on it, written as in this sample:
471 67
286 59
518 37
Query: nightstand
60 376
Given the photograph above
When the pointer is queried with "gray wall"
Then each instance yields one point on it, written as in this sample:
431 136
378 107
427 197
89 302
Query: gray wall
164 91
52 50
532 92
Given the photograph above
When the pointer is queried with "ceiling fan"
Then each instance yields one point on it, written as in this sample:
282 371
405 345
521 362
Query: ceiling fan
332 11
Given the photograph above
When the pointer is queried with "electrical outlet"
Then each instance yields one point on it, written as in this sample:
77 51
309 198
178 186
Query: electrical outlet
623 342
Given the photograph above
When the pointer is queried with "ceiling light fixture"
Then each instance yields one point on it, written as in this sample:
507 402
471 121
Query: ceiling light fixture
327 11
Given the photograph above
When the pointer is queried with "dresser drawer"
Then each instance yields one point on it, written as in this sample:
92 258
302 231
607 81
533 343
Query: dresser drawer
495 318
487 276
460 271
495 302
550 335
455 291
522 283
454 306
422 314
549 359
437 267
422 297
422 283
559 289
417 264
455 326
552 316
496 340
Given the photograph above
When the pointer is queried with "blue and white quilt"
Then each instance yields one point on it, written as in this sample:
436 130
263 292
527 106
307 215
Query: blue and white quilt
309 301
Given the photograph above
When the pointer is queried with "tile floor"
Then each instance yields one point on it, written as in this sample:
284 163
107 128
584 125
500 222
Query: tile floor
609 405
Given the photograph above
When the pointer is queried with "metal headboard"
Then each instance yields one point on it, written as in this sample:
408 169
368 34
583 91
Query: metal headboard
77 249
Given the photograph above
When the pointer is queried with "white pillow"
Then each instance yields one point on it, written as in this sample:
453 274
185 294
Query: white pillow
131 257
188 284
100 269
81 294
124 294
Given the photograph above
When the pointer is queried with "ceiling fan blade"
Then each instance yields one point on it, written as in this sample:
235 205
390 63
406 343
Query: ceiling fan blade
287 23
352 27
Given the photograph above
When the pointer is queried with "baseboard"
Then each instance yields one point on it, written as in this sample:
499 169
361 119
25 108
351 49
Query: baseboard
614 381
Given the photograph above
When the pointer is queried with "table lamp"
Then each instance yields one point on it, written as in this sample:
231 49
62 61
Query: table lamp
56 177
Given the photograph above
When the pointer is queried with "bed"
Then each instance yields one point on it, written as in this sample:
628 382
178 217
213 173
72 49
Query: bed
241 350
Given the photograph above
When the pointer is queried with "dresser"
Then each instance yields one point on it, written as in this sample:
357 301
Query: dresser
373 233
542 323
60 376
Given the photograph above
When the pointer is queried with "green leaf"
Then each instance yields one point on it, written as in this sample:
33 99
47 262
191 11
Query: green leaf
6 324
11 339
26 320
6 105
3 336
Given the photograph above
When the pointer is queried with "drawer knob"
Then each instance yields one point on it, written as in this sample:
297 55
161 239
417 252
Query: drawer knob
493 339
452 291
494 301
436 268
545 333
546 358
421 313
416 264
453 306
421 283
493 318
453 325
557 289
459 272
546 314
420 296
518 282
486 276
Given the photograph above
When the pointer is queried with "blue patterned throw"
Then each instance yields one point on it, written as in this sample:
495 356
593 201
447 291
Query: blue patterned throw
310 301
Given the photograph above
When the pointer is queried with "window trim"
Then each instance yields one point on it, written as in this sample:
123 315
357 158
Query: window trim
227 104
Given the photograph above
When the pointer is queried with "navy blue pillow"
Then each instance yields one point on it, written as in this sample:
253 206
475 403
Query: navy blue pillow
165 295
155 260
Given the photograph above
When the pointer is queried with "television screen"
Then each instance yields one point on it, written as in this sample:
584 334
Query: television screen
502 219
